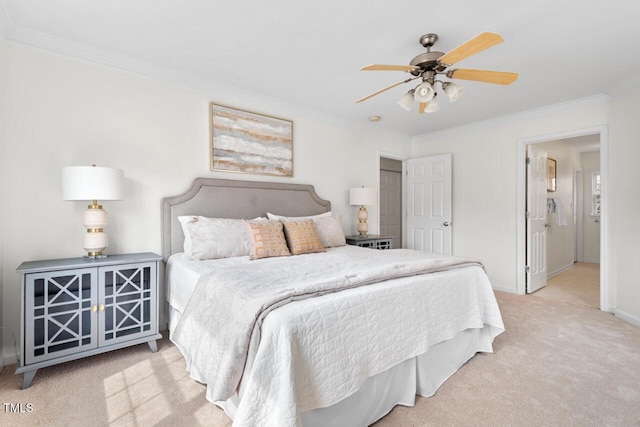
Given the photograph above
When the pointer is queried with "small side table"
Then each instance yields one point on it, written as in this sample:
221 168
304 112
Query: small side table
372 241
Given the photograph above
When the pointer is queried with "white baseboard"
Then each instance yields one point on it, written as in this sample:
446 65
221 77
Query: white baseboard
559 271
629 318
590 260
504 289
9 357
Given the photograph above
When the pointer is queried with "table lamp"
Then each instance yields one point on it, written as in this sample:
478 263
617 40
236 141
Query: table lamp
93 183
362 197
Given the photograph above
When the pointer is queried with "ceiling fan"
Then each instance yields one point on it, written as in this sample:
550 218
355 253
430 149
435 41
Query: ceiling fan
427 66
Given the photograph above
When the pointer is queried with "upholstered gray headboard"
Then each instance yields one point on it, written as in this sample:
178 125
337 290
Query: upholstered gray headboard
225 198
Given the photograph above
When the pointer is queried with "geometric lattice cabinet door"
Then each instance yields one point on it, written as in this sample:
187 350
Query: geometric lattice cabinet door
58 314
129 296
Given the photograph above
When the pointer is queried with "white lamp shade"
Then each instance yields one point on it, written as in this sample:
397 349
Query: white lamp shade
406 101
453 91
433 105
92 183
423 92
362 196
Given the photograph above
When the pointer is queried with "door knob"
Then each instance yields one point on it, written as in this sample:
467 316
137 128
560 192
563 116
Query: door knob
446 223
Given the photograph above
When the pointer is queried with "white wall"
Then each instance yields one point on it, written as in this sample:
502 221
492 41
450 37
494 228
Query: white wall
485 176
61 112
2 333
485 193
591 224
560 239
623 201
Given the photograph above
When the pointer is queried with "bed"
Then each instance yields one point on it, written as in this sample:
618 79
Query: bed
342 334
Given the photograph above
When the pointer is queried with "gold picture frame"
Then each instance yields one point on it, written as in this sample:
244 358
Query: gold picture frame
247 142
551 174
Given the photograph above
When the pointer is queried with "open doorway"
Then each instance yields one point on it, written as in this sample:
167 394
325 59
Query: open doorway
580 247
572 220
391 200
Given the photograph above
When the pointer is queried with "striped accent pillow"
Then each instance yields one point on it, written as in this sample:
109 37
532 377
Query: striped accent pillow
302 237
266 239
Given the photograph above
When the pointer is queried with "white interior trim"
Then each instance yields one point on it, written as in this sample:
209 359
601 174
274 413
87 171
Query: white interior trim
606 289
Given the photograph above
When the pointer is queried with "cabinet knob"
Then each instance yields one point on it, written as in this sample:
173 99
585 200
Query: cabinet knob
94 308
101 307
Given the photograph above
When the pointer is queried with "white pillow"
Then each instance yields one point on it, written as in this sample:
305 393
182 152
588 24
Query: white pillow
212 238
329 230
187 236
296 218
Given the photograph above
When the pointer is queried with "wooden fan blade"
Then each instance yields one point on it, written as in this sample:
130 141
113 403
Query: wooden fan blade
379 67
473 46
385 88
423 105
485 76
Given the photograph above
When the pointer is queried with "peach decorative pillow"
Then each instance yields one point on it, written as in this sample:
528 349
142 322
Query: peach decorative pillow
266 239
302 237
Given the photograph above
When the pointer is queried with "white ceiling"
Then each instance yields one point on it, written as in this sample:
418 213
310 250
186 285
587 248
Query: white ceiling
309 53
584 144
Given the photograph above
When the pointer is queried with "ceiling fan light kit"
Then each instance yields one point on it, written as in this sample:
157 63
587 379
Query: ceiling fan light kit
427 66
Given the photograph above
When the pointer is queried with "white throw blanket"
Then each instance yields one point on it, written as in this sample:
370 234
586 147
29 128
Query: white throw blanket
215 342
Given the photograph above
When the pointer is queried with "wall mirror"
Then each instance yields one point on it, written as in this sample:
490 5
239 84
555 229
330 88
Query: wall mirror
551 174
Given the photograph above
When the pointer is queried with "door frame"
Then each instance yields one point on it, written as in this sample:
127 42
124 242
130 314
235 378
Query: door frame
606 289
403 159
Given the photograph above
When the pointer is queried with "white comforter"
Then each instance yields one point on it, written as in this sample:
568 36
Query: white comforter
316 352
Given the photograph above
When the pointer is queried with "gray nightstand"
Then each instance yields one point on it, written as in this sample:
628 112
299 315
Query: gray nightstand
78 307
371 241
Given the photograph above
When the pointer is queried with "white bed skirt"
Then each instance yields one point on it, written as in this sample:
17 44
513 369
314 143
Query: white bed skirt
421 375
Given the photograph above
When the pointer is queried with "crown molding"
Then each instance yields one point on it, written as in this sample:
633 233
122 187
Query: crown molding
58 46
224 92
510 119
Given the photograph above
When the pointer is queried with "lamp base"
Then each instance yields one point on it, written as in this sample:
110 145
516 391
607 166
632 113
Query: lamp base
100 256
95 239
363 227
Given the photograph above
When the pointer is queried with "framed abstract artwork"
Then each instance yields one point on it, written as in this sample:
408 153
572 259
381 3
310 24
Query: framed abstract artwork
242 141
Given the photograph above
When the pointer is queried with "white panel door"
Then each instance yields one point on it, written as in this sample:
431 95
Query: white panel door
429 204
536 218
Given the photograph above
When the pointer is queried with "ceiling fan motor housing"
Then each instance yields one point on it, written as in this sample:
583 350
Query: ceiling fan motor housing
427 61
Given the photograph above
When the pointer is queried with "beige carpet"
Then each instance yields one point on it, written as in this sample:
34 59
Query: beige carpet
579 285
559 363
